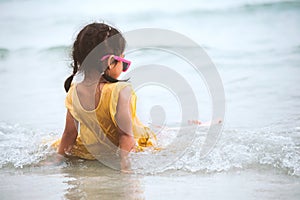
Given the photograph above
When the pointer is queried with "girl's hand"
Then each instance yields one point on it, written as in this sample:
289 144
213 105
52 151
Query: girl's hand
54 160
125 166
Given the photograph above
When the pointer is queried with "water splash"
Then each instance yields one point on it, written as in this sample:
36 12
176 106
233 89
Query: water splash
20 147
237 149
247 149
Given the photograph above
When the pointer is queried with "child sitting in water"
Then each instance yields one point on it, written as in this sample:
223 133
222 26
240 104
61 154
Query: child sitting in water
101 110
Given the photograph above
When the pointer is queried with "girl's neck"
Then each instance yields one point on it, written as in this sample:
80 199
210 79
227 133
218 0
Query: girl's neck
92 76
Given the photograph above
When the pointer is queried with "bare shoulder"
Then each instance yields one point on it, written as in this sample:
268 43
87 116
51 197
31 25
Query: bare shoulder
125 92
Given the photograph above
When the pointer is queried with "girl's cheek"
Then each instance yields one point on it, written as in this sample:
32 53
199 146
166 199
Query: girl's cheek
121 67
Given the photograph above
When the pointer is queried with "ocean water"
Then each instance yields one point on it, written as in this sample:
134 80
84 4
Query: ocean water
255 46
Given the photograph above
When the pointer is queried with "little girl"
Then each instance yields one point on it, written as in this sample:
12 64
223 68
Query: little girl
101 110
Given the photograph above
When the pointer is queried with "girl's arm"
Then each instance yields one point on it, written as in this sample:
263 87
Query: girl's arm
68 139
124 122
69 135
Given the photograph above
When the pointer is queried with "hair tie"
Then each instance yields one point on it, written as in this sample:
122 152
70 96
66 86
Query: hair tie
109 29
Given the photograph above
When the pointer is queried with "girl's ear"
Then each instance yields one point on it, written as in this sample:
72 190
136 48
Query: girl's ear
110 61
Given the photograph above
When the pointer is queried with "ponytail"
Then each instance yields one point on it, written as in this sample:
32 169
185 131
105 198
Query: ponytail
69 80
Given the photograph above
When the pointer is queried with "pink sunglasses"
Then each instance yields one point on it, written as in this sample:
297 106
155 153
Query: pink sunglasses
126 63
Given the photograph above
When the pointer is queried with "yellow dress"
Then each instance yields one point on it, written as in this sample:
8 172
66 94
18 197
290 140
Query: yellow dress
99 126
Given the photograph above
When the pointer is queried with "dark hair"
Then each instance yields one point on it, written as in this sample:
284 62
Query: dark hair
87 45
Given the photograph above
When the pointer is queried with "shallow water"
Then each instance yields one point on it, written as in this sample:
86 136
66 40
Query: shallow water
255 47
93 181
